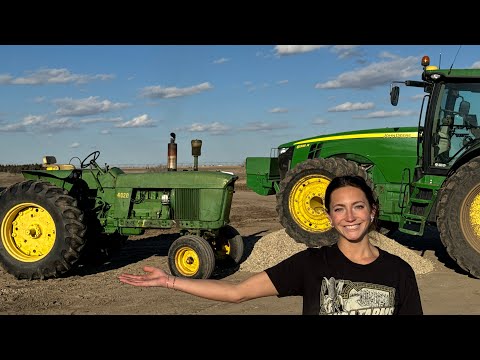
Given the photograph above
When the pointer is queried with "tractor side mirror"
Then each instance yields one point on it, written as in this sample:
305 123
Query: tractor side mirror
394 94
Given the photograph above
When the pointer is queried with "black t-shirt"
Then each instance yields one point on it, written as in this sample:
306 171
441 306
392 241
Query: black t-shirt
331 284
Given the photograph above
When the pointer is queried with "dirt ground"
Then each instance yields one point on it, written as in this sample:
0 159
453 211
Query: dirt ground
95 289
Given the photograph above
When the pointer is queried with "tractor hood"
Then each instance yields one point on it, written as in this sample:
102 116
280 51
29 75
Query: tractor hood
381 133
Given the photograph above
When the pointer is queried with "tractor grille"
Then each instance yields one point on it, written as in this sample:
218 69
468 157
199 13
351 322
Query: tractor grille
187 204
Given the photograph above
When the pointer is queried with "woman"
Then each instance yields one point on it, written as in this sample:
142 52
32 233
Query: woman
351 277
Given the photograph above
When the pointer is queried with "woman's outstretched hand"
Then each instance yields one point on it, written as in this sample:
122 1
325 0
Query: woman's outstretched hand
153 277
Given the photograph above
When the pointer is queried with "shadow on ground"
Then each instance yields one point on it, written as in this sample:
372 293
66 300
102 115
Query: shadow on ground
139 249
430 241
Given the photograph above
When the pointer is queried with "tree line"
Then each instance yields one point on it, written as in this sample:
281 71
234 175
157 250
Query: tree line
14 169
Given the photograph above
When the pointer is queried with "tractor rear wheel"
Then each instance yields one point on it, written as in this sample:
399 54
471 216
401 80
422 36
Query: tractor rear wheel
229 245
458 216
300 201
42 230
191 256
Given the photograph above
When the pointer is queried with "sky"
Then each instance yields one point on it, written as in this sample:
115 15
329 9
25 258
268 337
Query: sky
239 100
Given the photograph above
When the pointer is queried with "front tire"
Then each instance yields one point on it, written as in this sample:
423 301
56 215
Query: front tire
300 201
42 230
458 218
191 256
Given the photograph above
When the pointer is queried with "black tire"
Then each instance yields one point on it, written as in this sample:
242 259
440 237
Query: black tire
42 230
457 216
229 245
191 256
300 201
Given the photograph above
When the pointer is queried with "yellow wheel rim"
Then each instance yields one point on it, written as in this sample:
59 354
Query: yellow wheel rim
187 261
470 218
222 248
28 232
306 203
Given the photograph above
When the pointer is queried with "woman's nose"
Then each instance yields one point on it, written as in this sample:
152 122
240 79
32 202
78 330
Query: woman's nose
349 215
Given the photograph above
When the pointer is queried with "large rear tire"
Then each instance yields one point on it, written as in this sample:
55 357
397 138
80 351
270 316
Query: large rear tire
229 245
458 216
191 256
300 201
41 228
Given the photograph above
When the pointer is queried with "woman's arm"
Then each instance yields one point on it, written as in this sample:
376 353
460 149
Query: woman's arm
256 286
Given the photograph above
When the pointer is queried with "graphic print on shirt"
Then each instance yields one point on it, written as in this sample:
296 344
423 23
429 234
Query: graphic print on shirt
345 297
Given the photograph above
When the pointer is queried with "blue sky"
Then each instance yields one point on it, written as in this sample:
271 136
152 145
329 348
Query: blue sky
240 100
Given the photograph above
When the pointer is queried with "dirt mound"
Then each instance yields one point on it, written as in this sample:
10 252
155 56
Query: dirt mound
277 246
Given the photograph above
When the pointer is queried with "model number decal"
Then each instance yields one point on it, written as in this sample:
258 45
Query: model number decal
123 195
301 146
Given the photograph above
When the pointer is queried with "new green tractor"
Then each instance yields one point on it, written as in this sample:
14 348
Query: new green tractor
64 212
428 174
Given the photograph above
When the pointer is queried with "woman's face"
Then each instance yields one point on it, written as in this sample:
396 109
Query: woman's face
350 213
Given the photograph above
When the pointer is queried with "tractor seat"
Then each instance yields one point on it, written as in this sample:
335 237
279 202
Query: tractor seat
50 163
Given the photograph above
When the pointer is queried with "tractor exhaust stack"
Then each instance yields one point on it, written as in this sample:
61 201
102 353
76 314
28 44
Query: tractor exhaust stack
196 152
172 153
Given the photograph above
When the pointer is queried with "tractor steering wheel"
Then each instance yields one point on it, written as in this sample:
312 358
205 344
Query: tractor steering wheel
95 155
452 112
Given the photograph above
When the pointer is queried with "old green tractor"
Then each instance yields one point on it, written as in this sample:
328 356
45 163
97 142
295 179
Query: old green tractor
60 213
423 175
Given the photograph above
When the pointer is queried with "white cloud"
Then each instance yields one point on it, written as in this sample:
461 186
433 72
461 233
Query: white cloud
348 106
5 79
387 114
40 123
74 145
137 122
214 128
282 50
319 121
52 76
88 106
278 110
33 119
346 51
375 74
159 92
18 127
262 126
387 55
101 120
59 124
418 97
221 60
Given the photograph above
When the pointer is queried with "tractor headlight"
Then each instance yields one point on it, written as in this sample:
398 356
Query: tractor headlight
282 151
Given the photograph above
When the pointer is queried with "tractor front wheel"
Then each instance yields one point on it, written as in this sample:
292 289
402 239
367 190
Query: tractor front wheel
191 256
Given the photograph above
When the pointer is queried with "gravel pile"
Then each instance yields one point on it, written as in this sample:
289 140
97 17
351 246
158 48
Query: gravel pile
277 246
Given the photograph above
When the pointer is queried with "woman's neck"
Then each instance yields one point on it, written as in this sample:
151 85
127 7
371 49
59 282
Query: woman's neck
361 252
